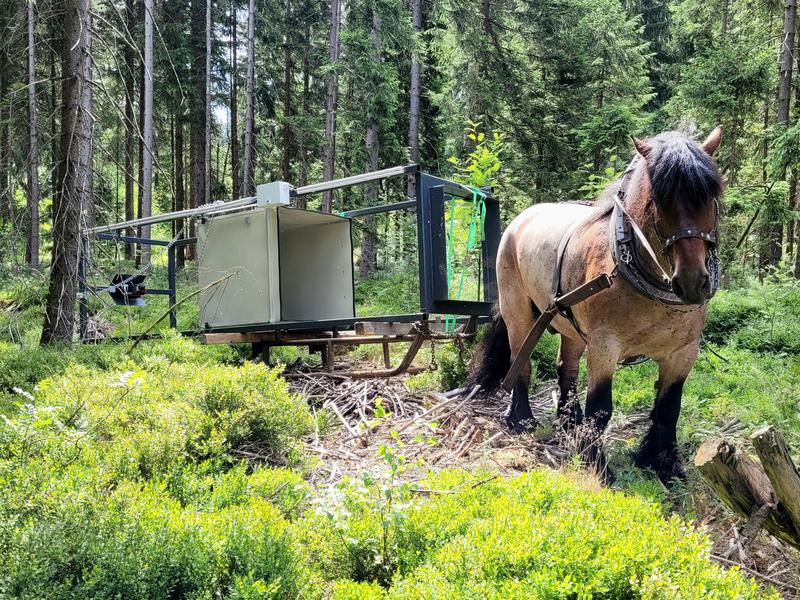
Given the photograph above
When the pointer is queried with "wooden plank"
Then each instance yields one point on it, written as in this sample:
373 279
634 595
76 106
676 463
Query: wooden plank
276 339
781 470
394 328
743 486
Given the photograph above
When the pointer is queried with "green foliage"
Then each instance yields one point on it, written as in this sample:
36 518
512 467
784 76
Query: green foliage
388 293
143 544
24 366
758 317
538 535
481 168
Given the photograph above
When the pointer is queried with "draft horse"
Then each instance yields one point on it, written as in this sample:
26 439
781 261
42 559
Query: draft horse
667 200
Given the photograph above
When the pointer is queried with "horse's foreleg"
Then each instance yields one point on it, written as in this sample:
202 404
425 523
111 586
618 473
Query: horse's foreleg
602 361
567 366
659 448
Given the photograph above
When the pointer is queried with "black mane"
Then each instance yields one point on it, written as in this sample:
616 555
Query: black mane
680 171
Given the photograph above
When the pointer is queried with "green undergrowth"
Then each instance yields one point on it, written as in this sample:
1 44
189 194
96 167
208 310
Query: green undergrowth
267 534
177 470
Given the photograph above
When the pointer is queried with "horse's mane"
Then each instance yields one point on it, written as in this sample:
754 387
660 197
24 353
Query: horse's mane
679 171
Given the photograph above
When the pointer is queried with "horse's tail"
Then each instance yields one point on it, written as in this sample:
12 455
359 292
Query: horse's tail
492 358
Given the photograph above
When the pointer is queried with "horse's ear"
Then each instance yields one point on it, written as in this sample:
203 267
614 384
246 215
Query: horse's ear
712 141
643 147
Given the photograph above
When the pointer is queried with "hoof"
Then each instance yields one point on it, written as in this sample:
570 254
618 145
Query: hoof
671 472
667 466
518 425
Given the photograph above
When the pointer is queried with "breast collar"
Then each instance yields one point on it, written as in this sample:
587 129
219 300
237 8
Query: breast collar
627 242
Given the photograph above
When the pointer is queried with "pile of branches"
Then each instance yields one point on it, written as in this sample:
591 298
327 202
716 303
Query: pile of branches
457 428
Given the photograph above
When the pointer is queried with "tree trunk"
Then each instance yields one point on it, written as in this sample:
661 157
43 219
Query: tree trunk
413 114
331 93
74 172
236 182
303 144
368 261
782 116
197 114
32 245
180 201
248 189
286 162
207 171
54 153
5 192
147 128
130 126
792 208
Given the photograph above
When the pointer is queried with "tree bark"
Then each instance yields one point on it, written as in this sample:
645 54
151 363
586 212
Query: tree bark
742 485
32 245
248 188
207 171
286 162
781 470
130 126
782 116
54 153
413 114
234 109
147 128
303 133
197 113
180 201
74 173
368 261
331 103
5 192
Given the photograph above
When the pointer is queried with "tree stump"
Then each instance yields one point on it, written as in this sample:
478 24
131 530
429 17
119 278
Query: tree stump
781 470
743 486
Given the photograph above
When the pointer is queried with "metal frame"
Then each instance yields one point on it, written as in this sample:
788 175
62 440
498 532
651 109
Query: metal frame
431 194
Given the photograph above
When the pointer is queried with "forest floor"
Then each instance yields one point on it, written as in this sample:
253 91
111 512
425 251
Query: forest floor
337 430
463 430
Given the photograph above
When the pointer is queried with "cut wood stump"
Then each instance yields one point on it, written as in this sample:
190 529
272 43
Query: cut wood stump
748 489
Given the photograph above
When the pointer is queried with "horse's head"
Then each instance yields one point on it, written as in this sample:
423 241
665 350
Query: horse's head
684 186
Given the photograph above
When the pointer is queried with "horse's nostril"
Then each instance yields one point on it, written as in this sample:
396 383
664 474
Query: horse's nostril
676 286
705 286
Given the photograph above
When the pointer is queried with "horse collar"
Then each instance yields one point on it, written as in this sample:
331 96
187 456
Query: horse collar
628 259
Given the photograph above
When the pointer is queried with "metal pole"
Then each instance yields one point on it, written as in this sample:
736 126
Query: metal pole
206 209
172 283
355 180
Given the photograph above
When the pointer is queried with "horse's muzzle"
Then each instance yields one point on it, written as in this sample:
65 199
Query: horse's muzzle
692 287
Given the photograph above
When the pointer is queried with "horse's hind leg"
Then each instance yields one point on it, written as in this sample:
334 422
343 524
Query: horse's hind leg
569 411
519 314
659 448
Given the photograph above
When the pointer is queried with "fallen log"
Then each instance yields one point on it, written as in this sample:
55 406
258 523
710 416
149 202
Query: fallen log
744 487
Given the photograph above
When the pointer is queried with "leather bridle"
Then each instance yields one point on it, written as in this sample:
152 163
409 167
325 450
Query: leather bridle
626 239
